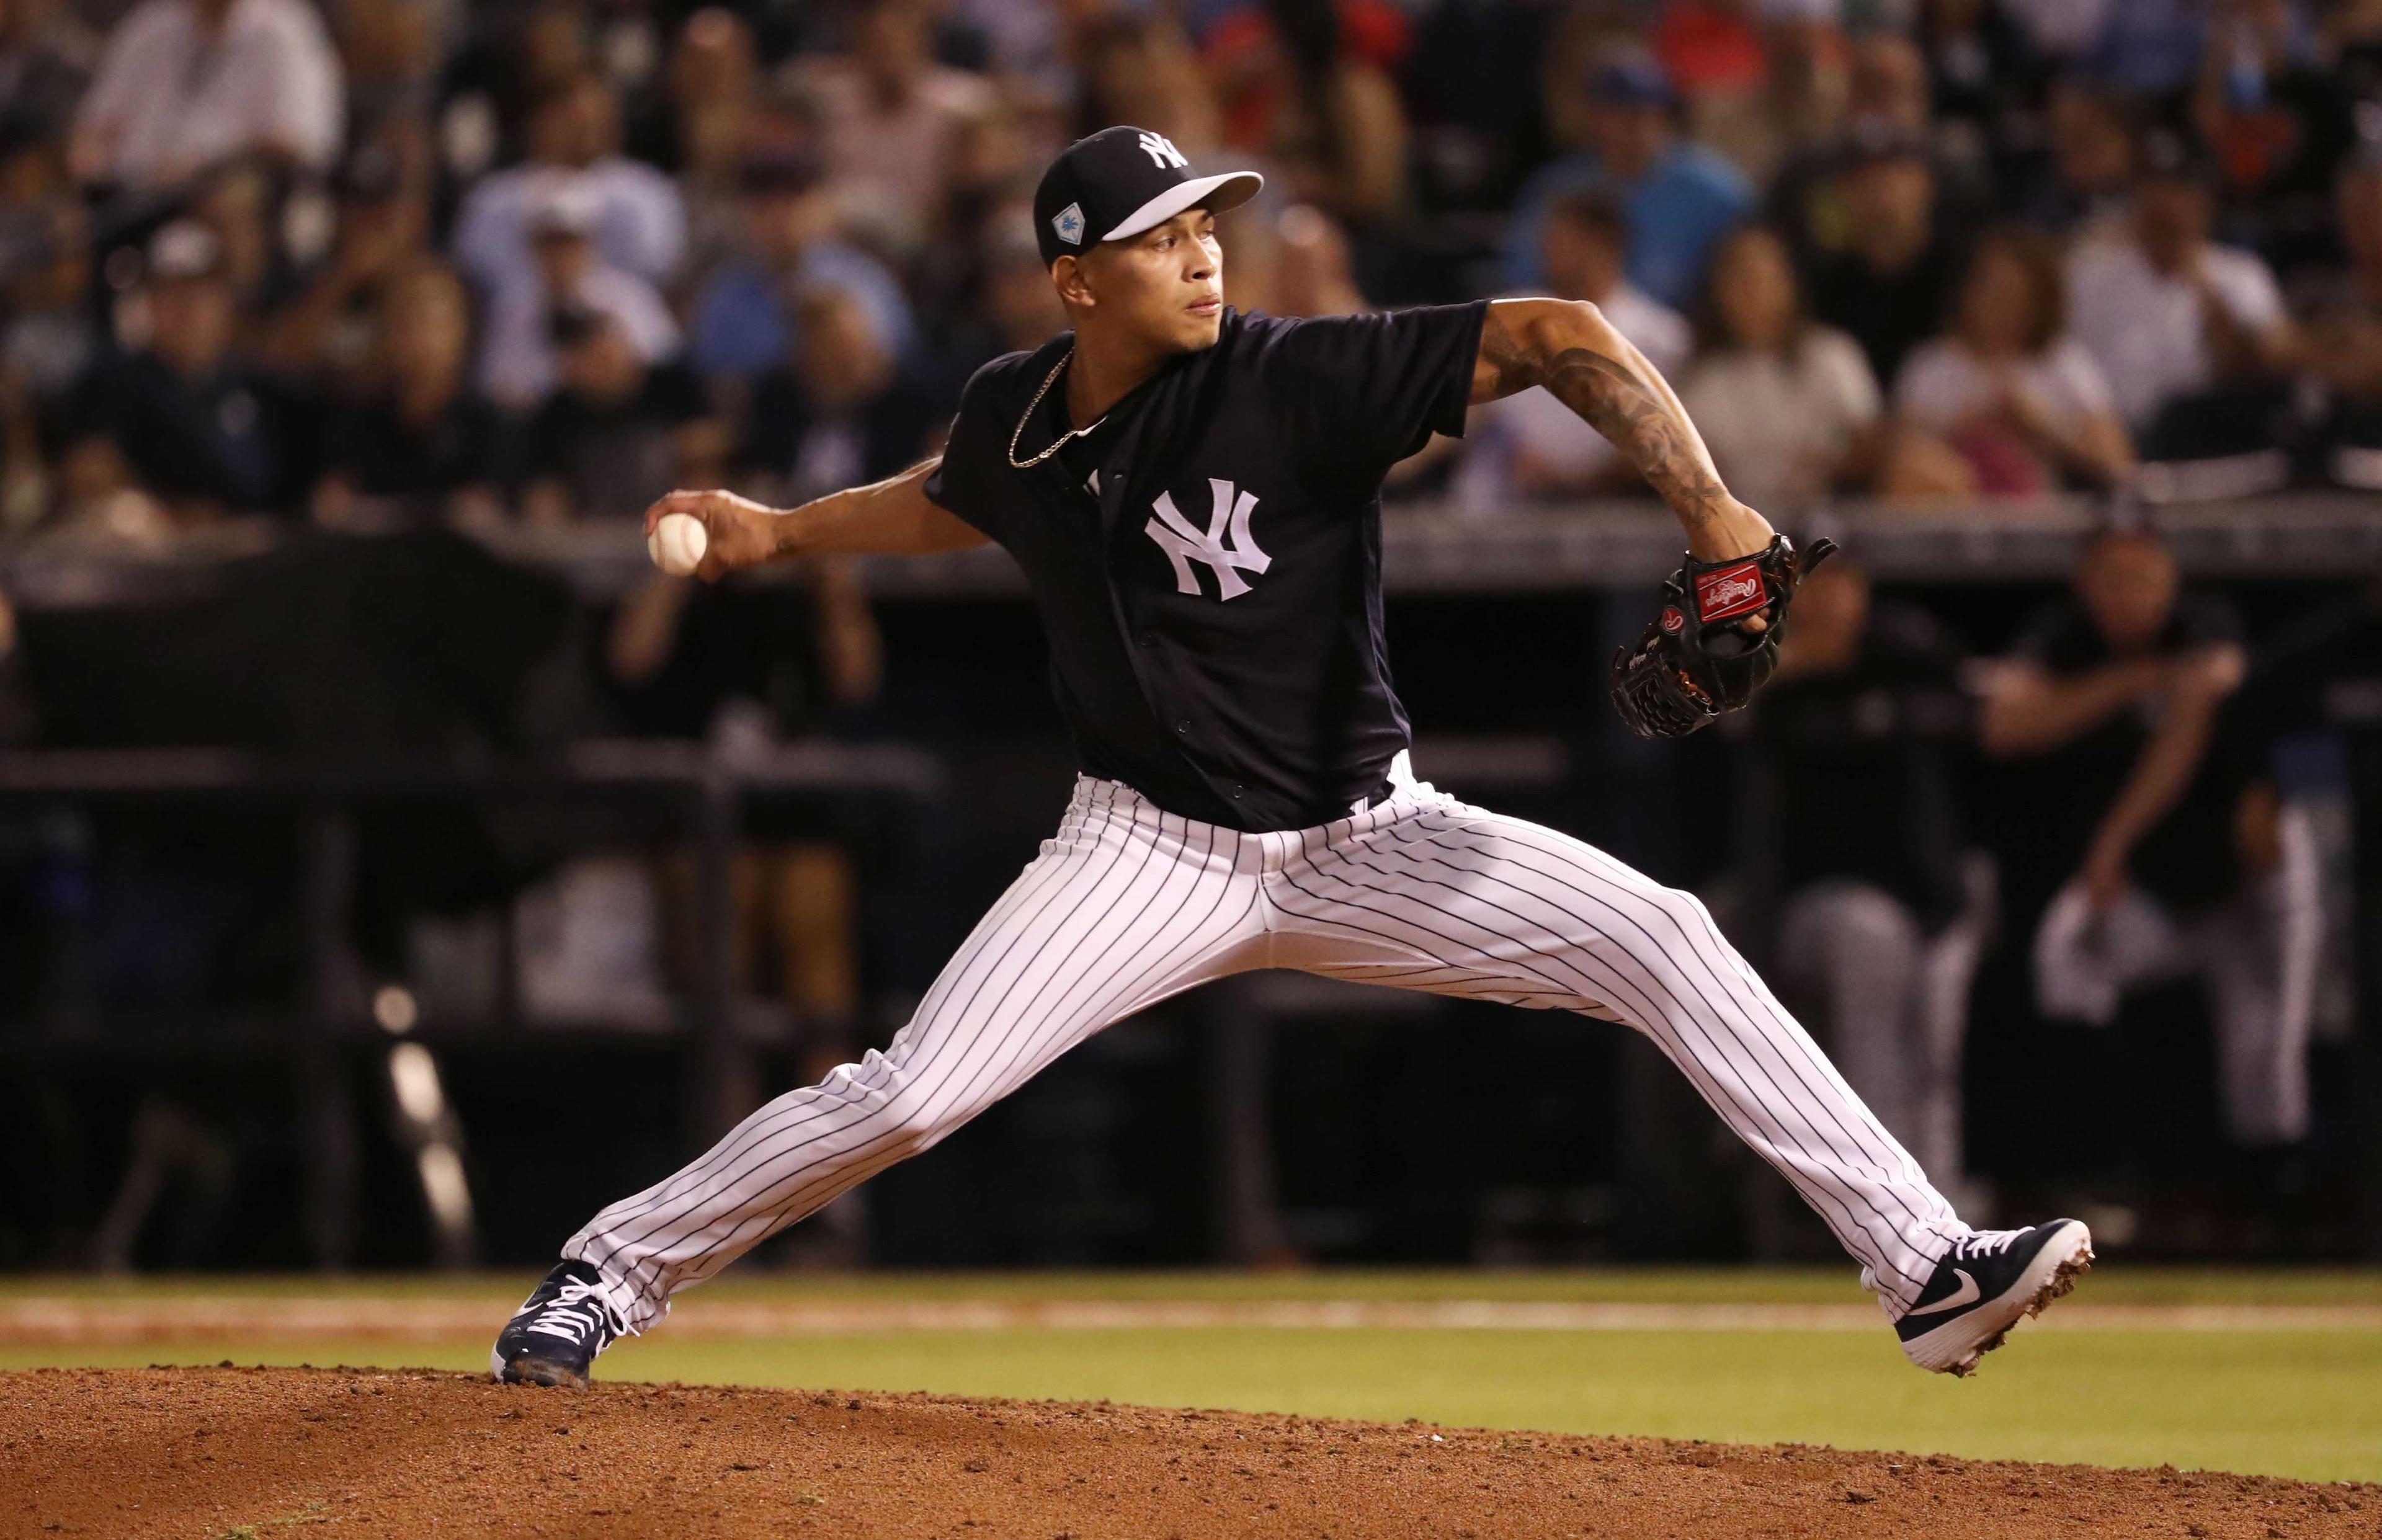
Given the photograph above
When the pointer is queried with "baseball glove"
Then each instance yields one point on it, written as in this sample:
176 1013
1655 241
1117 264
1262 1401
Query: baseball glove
1697 660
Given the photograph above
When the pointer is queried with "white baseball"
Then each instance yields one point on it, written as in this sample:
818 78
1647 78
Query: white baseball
677 543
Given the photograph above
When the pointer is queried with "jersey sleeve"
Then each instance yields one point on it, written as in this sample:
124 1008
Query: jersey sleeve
960 483
1362 392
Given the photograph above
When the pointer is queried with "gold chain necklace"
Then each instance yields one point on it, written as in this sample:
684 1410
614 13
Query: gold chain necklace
1035 405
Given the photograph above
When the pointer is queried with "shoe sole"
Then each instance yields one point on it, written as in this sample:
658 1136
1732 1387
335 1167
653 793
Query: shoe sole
527 1370
1955 1347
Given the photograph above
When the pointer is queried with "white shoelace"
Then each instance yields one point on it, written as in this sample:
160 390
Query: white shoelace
1984 1243
575 1313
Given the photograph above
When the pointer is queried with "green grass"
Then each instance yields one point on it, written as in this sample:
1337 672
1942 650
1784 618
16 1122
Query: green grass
2302 1403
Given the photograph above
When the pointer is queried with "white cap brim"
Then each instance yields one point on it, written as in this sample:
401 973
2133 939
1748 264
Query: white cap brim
1228 190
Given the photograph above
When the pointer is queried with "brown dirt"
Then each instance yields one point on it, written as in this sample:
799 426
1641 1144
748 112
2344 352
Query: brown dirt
282 1454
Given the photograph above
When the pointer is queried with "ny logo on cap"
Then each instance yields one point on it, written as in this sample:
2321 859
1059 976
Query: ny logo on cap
1069 223
1225 546
1161 151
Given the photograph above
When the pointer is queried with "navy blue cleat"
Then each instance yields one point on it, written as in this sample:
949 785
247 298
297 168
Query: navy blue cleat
561 1327
1986 1284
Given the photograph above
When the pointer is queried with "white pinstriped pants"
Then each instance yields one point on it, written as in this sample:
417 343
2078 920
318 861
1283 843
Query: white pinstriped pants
1127 905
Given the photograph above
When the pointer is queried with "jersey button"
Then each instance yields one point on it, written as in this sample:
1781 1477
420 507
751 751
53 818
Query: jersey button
1149 639
1184 726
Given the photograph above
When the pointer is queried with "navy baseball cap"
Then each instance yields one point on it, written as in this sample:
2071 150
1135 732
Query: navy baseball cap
1120 182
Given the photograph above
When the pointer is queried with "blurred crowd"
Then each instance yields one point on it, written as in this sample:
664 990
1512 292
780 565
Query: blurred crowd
362 260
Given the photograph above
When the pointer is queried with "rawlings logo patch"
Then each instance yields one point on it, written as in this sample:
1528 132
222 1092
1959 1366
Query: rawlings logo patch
1726 591
1672 619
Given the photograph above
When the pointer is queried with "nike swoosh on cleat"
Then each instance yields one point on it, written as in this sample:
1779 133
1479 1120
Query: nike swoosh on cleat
1966 1294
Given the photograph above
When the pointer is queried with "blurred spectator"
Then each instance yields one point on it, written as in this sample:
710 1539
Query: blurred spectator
187 85
638 223
384 226
839 414
1892 285
423 444
1013 309
2169 315
618 432
1530 444
46 56
1680 199
888 114
2006 387
1887 104
1314 272
181 419
715 124
2344 342
1986 79
1788 407
1882 911
2090 173
1712 47
2277 119
1138 68
743 320
1307 84
2186 860
47 337
517 360
2153 48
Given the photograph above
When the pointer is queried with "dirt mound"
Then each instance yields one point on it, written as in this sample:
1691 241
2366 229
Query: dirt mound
257 1454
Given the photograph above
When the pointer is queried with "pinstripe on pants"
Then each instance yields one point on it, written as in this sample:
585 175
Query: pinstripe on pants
1127 905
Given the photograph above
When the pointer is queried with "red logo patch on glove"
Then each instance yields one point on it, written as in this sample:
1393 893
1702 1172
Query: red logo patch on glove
1672 619
1726 591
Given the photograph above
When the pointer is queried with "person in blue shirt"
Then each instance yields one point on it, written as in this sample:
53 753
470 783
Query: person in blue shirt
1680 198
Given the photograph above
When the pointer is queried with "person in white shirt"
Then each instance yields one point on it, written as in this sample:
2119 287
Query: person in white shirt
2006 387
186 85
1788 407
1530 444
2165 312
574 147
518 362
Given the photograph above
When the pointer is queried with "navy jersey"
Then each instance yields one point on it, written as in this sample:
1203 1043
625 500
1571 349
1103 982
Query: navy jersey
1207 563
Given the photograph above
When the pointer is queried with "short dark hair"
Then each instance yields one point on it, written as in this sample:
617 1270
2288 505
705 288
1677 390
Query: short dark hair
1592 209
2037 256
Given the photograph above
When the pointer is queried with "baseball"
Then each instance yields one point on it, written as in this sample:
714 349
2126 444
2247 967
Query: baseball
677 543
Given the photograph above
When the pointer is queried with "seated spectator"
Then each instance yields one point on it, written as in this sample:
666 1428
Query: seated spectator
1788 407
2171 317
839 413
1307 85
384 226
188 85
618 432
888 114
1986 78
1891 287
1882 911
1680 199
638 223
2185 861
423 446
742 321
2006 388
1138 67
517 360
2089 172
2278 113
1530 444
181 419
1011 308
46 56
1887 103
2344 335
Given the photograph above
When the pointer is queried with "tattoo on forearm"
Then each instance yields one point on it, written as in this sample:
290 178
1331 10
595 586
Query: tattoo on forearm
1643 425
1640 418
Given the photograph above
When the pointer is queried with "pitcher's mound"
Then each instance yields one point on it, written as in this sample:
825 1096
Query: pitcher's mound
287 1454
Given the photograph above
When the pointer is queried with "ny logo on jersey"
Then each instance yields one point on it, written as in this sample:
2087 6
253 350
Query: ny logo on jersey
1225 545
1161 152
